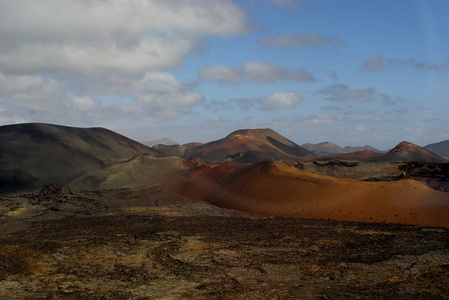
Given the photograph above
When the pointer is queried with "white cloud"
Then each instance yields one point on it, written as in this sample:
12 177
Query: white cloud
172 100
417 64
374 64
301 39
25 98
320 119
280 100
157 96
284 3
158 82
161 91
341 92
84 36
63 61
255 70
30 88
85 104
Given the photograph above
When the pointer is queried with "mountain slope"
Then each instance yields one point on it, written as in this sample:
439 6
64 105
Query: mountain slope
440 148
141 171
367 156
170 150
323 148
33 154
275 189
361 148
249 146
164 141
406 151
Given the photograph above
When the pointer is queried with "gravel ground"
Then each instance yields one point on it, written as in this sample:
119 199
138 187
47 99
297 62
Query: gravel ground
68 251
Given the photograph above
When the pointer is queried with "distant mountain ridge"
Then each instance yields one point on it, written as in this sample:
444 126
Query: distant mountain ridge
403 151
164 141
323 148
361 148
33 155
327 148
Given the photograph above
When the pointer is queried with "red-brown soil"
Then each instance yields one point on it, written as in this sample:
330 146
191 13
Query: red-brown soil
248 146
274 189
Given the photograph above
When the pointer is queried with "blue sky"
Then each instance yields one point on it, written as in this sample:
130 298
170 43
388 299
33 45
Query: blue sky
349 72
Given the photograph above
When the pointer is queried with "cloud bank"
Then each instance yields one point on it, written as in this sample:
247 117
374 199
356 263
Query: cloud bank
86 36
256 71
61 61
377 63
299 40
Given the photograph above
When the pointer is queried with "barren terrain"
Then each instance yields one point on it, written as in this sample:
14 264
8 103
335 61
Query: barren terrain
90 214
73 246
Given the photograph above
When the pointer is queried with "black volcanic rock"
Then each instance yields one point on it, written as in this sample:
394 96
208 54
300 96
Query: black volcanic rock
34 154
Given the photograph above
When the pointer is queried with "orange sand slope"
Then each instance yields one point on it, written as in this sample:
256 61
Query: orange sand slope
274 189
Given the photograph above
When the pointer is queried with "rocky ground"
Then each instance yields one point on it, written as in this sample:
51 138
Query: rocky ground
55 244
434 175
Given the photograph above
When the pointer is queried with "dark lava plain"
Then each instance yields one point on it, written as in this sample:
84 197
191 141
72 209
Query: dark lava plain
197 251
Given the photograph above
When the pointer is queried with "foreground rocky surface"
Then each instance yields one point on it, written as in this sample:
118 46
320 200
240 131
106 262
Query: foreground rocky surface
76 247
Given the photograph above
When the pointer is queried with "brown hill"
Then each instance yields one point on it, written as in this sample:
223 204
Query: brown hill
274 189
441 148
406 151
141 171
193 144
361 148
170 150
323 148
249 146
33 155
366 156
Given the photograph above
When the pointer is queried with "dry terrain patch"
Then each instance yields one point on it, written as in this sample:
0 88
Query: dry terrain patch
199 251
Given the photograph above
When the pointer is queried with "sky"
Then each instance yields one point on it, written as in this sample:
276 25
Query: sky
350 72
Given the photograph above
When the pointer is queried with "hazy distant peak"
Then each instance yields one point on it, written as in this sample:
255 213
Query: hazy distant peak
440 148
323 148
164 141
361 148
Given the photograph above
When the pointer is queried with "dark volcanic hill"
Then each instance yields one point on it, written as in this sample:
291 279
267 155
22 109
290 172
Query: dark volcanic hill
323 148
32 155
249 146
406 151
441 148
